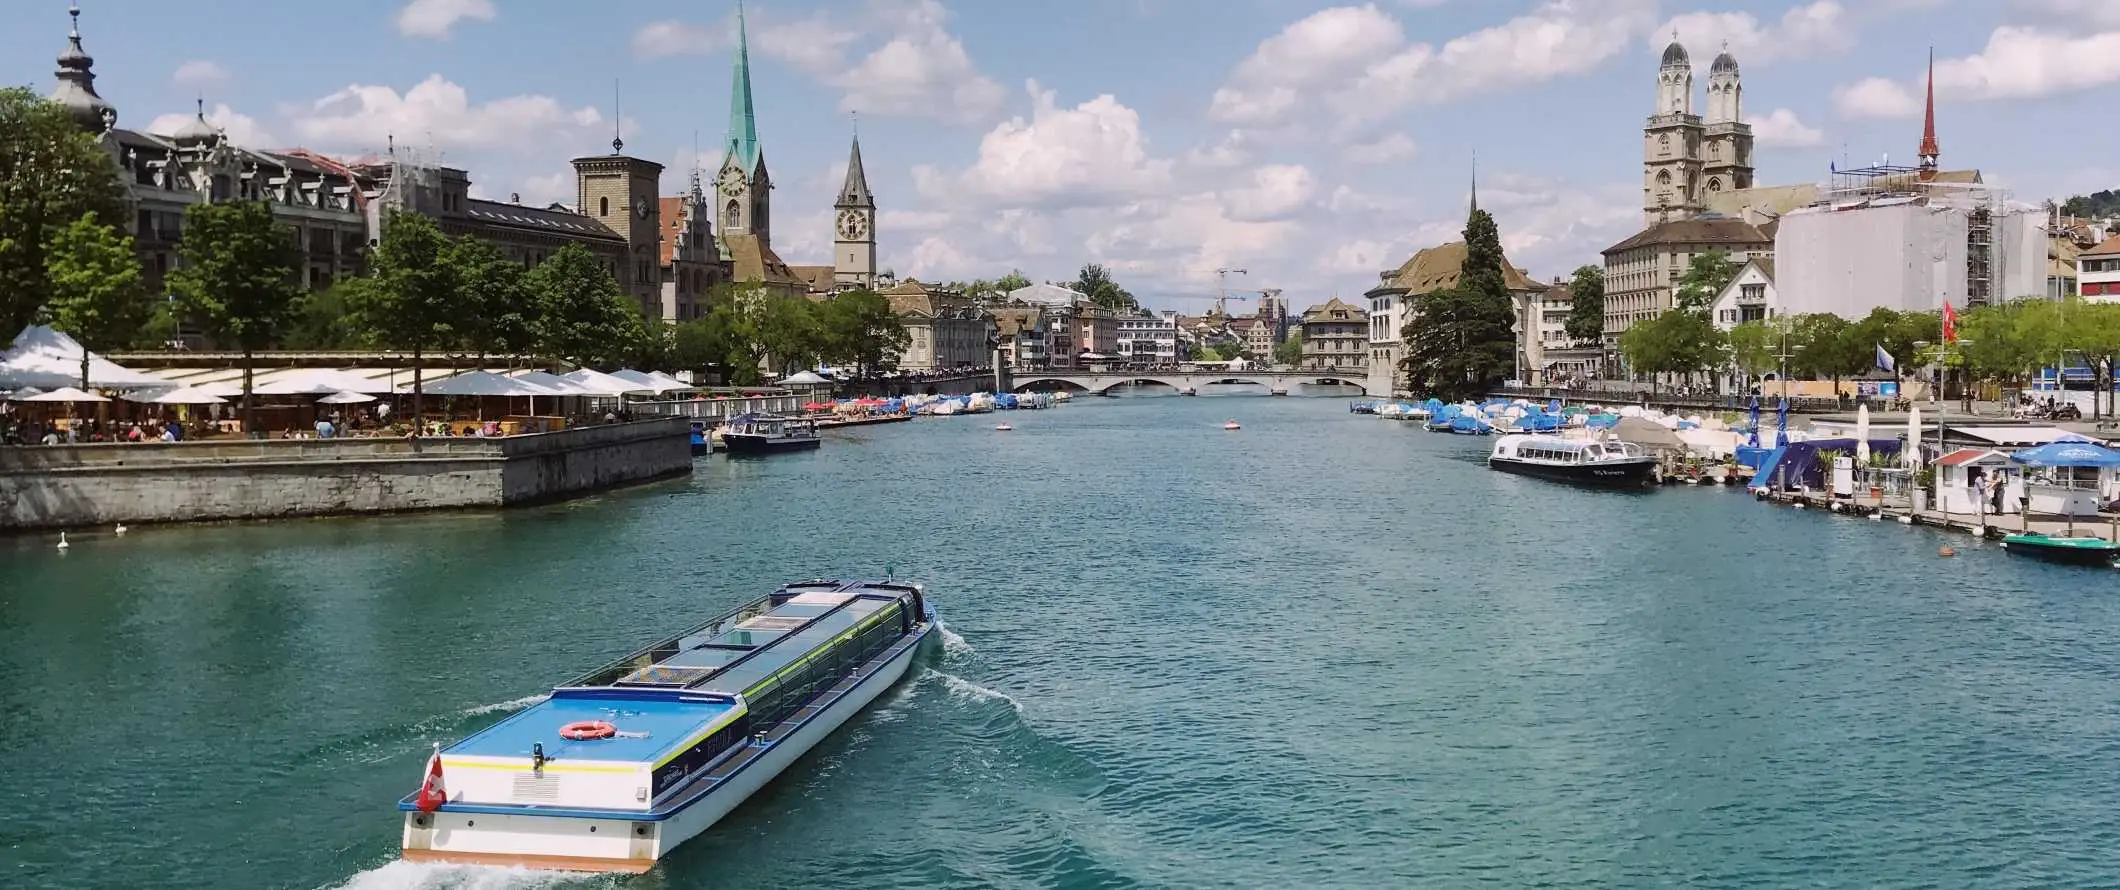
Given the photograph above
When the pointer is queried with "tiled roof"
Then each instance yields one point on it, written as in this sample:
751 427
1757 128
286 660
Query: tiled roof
753 260
1709 231
1015 320
1321 311
1766 266
2111 247
673 225
1439 267
818 278
534 219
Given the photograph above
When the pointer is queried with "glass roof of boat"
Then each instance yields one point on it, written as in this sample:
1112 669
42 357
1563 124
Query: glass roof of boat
750 643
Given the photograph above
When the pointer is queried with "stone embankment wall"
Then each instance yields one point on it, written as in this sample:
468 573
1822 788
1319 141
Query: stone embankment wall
85 485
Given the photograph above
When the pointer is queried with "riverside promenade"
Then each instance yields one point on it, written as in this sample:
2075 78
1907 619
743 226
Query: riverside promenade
77 486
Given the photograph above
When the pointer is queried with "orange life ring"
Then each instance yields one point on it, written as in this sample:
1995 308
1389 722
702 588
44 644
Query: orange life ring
587 730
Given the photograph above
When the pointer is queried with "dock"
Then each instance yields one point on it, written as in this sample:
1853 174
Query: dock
2106 525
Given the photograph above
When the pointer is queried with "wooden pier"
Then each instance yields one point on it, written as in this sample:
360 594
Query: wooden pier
2106 525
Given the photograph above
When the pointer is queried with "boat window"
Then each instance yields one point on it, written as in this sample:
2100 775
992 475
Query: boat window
672 774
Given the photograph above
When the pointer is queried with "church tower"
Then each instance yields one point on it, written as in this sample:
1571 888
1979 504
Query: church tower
77 83
1929 153
854 247
1727 159
1671 154
625 194
743 193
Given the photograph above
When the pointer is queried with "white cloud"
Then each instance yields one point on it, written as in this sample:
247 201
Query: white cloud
1875 97
670 37
544 191
1276 191
1803 31
922 71
199 73
363 116
2024 63
436 18
1394 147
2094 14
241 129
1082 156
1328 45
1232 150
1782 128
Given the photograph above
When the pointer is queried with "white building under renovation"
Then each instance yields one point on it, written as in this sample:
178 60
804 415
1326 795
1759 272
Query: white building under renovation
1886 237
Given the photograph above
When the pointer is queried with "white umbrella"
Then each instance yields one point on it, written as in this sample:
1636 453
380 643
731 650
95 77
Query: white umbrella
806 378
483 383
1862 434
1911 455
556 383
41 356
345 398
185 396
318 382
603 384
649 382
63 394
668 382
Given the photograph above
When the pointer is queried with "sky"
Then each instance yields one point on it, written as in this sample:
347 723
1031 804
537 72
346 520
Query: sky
1312 145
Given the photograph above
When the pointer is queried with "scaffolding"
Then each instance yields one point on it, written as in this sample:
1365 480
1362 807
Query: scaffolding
1983 207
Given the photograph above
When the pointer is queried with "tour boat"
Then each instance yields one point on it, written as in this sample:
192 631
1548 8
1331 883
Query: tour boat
1609 463
2082 551
616 769
767 434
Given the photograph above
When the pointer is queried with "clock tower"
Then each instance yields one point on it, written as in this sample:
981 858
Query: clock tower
623 193
854 228
743 191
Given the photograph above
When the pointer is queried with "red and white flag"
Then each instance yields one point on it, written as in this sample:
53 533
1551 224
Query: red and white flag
1950 324
432 793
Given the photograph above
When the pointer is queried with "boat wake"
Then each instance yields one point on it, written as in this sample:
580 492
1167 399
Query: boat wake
507 707
402 875
955 648
390 742
968 692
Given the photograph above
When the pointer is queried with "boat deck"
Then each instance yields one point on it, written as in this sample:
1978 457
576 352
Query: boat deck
648 729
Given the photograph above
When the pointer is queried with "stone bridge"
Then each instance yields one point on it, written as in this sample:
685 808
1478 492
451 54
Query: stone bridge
1279 383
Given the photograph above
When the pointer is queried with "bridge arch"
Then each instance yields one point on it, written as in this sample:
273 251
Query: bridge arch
1100 383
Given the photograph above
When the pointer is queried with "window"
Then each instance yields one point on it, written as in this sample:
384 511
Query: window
603 207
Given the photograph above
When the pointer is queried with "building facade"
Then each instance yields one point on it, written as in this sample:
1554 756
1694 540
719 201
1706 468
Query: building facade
1024 336
1641 272
944 330
1336 337
1544 350
1685 159
1392 304
1750 296
1147 339
2098 272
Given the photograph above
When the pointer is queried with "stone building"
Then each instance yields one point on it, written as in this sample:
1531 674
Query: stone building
1392 301
1335 337
1024 335
944 330
1684 158
1641 271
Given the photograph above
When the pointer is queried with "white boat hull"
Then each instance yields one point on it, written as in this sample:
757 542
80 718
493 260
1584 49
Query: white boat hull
620 845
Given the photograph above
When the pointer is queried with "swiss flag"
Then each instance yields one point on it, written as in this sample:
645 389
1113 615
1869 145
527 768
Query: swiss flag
432 794
1950 324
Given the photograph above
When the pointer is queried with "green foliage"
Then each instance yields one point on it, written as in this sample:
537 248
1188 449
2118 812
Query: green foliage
582 317
1897 332
325 319
1096 282
1586 314
1459 340
1755 346
1828 346
2011 340
1290 352
2096 205
1215 352
411 298
1679 341
51 175
860 329
237 280
1705 277
1013 281
495 313
96 292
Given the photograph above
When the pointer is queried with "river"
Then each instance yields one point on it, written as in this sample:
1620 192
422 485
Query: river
1324 651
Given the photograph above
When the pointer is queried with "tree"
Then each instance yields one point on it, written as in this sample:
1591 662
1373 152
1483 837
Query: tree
326 319
495 313
1705 278
2096 205
1460 341
1013 281
861 329
237 279
1095 282
410 302
1830 347
1679 341
1586 311
51 175
703 345
1755 346
96 292
582 317
787 331
1290 351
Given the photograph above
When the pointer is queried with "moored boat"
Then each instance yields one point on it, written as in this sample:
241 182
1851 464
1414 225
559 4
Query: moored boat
2081 551
617 768
768 434
1604 464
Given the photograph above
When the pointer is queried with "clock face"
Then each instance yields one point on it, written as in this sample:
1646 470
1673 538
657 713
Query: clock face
640 207
852 225
731 181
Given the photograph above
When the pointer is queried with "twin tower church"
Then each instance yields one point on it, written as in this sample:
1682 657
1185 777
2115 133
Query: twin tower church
1688 157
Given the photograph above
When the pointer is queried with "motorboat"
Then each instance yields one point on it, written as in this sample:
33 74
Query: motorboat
1606 463
769 434
2070 550
1002 427
1232 425
615 769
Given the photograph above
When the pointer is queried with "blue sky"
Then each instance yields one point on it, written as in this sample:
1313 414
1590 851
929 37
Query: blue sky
1310 143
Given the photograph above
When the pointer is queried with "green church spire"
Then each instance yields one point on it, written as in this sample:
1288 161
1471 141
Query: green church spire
743 118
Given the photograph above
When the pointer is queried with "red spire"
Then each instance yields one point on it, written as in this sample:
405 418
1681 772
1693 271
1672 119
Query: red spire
1929 150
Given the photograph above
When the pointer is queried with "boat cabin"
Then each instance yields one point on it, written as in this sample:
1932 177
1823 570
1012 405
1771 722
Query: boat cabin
1961 478
1556 450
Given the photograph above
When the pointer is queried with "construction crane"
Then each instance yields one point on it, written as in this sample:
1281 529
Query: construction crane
1222 285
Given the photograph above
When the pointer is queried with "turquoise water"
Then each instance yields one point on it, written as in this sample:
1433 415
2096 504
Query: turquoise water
1325 651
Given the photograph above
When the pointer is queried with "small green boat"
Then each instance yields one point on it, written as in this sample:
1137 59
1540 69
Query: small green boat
2081 551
